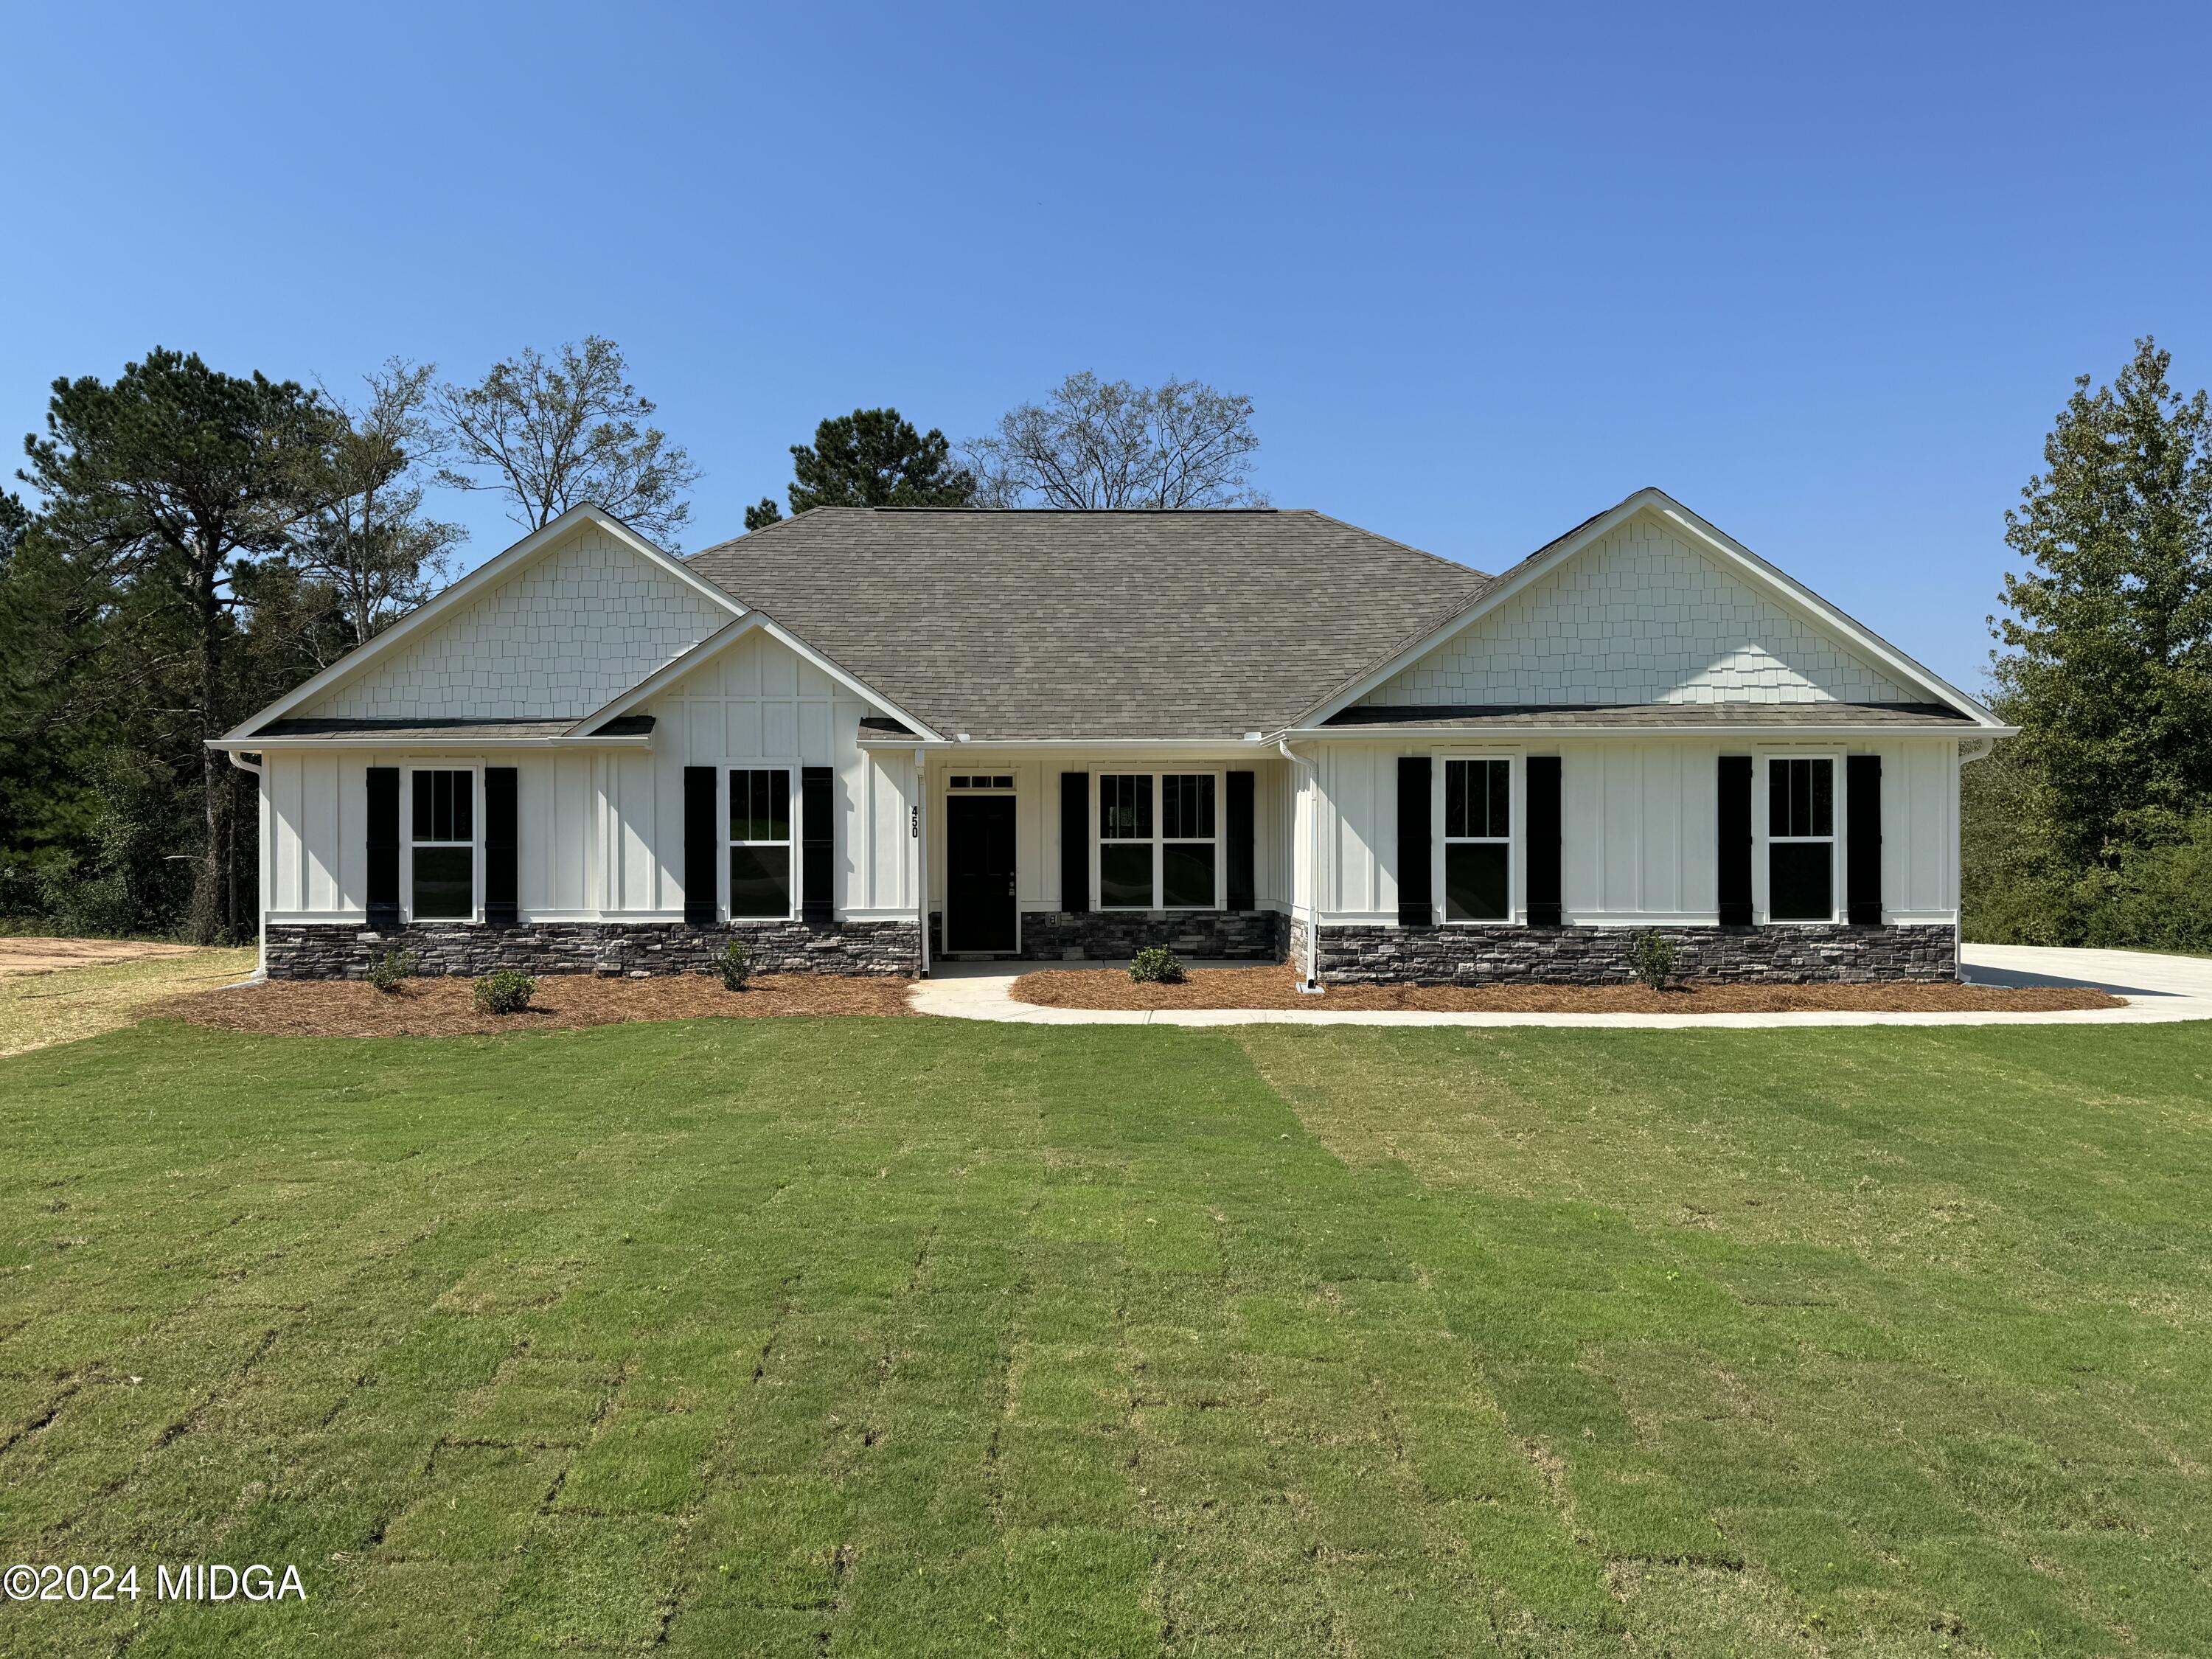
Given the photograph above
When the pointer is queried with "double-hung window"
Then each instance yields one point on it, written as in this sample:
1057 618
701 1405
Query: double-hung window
1800 840
1163 859
1478 839
444 844
760 842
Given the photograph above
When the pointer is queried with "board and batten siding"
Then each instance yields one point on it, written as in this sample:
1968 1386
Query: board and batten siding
1638 824
600 831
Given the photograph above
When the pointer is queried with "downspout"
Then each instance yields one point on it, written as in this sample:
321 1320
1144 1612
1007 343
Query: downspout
1970 750
260 858
1311 983
920 808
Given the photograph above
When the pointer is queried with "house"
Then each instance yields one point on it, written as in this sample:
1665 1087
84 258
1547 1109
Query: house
863 740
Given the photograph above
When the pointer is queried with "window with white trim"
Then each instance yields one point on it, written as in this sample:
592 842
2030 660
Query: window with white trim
443 846
1801 839
1167 859
1478 840
760 842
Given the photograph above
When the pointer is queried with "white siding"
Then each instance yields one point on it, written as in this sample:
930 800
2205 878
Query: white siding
567 634
1640 616
1638 825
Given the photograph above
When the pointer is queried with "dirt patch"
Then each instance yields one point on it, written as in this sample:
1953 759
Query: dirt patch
1275 986
445 1007
50 956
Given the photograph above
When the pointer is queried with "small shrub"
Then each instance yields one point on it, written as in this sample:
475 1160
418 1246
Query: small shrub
735 964
505 991
388 969
1156 965
1652 958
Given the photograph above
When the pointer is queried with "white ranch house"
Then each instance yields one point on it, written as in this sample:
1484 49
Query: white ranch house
863 740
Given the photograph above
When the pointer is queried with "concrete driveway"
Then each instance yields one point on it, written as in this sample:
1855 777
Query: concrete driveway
2159 989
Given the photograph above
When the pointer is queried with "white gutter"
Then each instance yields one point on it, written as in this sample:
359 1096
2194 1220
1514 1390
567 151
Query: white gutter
260 858
464 745
1311 983
1487 733
920 811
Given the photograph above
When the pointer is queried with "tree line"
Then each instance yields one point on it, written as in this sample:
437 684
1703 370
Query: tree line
197 543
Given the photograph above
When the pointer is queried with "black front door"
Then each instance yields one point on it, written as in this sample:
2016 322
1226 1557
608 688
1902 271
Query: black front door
978 868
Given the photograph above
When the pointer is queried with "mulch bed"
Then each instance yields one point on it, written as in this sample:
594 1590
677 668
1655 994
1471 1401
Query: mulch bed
443 1007
1275 986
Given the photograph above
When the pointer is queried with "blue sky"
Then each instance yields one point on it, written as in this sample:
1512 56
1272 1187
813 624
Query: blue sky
1824 274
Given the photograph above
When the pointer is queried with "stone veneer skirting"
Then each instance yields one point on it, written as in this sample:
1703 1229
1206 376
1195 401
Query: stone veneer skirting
1116 935
612 949
1801 954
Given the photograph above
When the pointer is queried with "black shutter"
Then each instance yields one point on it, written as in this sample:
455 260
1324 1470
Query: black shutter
1074 841
1863 840
383 895
1735 845
702 848
818 829
1244 890
502 871
1544 828
1416 901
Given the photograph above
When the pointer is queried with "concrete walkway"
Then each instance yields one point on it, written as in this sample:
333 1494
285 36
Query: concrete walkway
2159 989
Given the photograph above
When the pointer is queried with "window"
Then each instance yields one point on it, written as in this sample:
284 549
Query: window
1478 839
1170 860
982 781
444 846
759 843
1800 840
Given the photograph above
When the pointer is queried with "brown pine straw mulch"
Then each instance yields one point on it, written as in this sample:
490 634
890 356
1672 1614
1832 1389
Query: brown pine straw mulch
1275 986
444 1007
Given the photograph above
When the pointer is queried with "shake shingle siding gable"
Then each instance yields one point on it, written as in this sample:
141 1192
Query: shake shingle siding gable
1029 626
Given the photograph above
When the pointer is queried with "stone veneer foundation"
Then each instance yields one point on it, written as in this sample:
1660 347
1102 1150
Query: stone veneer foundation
1117 935
634 949
1809 953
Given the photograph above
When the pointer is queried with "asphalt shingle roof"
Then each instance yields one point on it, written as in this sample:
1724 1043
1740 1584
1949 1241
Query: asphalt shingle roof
1021 626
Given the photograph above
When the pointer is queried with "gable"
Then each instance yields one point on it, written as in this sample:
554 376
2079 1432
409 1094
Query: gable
565 635
1640 616
756 700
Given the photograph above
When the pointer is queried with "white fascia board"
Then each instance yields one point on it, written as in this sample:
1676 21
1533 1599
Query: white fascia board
1763 733
699 654
1238 747
1793 595
462 746
492 571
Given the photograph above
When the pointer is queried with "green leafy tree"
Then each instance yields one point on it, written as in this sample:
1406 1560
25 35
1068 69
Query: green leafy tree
2108 662
871 458
160 490
15 522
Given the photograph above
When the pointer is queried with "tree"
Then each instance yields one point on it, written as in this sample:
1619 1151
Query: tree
372 543
1109 444
2109 667
875 458
14 521
552 435
159 489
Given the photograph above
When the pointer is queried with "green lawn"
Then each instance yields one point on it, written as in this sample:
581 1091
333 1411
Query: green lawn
915 1337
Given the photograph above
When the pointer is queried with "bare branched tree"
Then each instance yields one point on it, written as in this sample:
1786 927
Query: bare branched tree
373 545
554 434
1109 444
